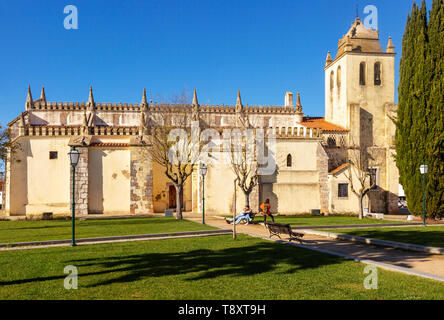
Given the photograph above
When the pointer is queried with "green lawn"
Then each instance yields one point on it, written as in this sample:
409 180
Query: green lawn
22 231
428 236
309 220
207 268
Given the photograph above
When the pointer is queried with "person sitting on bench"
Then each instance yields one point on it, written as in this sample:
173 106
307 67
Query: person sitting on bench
265 208
244 215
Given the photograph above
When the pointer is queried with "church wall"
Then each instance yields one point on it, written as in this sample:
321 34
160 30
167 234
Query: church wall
294 189
161 194
141 184
368 109
31 166
392 183
219 190
336 95
109 180
16 179
372 98
343 205
65 117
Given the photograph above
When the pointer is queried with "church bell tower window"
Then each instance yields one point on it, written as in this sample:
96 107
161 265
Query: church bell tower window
362 74
377 74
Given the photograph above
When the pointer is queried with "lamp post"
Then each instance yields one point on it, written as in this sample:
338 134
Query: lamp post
203 172
423 169
73 159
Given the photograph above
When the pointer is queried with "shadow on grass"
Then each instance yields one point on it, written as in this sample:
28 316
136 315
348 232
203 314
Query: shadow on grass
196 264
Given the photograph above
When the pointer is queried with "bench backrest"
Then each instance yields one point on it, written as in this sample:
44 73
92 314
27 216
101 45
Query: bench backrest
278 227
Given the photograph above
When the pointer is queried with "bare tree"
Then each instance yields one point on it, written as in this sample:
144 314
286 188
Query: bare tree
5 145
244 165
358 171
171 145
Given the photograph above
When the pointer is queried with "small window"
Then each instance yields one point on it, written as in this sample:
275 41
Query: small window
52 155
342 190
289 160
331 142
377 74
338 78
362 74
374 177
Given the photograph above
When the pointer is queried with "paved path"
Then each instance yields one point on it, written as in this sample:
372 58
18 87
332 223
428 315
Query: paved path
409 260
98 240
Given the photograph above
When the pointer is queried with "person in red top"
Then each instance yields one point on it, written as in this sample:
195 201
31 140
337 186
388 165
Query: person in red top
265 209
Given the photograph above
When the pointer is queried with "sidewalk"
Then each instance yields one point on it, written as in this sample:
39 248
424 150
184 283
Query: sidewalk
416 262
98 240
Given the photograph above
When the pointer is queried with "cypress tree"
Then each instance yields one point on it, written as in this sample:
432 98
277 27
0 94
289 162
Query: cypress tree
419 131
404 119
434 112
408 135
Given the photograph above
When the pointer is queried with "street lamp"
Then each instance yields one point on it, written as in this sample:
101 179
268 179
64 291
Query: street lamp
73 159
423 169
203 172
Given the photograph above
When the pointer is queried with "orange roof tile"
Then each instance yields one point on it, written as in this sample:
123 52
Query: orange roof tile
342 166
318 122
109 144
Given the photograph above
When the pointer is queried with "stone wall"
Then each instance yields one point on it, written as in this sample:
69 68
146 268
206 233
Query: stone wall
322 165
141 184
81 182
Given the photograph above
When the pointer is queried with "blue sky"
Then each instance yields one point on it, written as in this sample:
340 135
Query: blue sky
262 48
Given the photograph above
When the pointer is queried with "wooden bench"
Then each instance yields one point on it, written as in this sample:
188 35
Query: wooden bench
276 229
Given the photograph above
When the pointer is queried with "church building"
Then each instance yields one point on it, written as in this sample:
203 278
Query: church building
112 176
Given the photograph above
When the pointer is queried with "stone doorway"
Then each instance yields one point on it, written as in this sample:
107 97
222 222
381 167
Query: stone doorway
172 197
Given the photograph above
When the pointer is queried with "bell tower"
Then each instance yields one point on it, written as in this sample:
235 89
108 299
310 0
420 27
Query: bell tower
359 96
362 74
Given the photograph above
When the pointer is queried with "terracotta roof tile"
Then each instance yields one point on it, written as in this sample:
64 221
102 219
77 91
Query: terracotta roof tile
109 144
342 166
318 122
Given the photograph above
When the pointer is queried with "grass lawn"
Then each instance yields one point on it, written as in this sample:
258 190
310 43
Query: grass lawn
22 231
309 220
207 268
428 236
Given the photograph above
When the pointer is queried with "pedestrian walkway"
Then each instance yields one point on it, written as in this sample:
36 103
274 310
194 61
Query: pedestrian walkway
98 240
421 264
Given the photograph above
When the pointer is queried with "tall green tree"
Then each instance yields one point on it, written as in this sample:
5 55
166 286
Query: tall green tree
434 112
418 133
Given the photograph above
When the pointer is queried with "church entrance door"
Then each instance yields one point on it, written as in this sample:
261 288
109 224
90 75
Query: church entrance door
171 197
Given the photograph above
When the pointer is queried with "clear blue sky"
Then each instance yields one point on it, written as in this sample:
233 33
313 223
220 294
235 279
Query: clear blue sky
262 48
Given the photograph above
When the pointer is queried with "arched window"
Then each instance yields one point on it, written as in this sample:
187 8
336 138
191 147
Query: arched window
331 142
332 80
362 74
377 74
338 78
289 160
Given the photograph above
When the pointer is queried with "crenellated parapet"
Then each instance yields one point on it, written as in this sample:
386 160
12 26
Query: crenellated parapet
45 118
74 131
156 107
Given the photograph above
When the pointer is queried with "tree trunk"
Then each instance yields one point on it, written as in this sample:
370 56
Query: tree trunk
234 209
179 195
361 207
247 199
